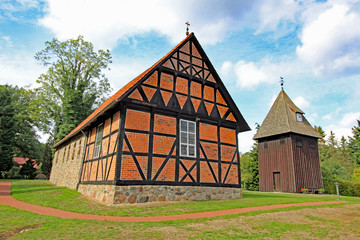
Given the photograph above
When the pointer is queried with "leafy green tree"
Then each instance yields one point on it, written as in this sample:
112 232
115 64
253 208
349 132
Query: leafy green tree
7 129
18 122
46 161
74 83
356 175
27 169
249 165
334 158
26 141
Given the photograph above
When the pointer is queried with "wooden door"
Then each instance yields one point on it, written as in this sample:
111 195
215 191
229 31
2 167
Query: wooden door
277 182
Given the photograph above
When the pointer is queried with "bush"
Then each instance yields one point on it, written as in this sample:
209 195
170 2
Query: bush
12 173
346 188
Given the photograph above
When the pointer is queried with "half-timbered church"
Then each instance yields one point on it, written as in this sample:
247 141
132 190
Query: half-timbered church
169 134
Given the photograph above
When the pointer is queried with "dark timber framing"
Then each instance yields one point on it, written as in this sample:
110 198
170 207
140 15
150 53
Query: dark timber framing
156 106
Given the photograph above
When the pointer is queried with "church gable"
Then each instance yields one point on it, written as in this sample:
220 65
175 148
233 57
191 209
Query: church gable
185 81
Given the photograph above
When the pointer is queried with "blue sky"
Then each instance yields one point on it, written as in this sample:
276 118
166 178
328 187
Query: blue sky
314 45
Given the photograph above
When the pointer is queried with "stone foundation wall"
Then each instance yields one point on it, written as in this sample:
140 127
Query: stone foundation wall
110 194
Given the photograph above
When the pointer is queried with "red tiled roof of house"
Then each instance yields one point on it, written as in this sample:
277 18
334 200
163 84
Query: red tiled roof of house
20 161
113 99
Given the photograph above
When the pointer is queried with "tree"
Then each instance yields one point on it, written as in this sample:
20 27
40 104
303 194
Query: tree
249 165
46 161
7 129
74 83
356 175
334 156
26 142
18 122
321 133
27 169
354 144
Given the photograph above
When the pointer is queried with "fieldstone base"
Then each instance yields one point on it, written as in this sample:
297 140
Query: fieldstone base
111 194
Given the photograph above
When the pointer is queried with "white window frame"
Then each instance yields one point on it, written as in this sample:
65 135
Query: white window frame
299 117
188 133
97 147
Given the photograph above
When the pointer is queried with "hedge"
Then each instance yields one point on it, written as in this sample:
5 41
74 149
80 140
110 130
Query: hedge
346 188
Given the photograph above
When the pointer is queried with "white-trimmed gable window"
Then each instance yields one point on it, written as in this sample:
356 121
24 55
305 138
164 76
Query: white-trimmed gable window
98 140
299 117
187 138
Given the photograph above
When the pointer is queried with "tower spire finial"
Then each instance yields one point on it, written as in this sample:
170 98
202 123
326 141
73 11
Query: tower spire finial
187 27
282 83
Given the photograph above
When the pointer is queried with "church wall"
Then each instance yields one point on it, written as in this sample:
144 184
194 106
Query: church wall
101 168
67 163
150 152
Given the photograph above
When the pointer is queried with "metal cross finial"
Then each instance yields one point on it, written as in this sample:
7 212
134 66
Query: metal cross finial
282 83
187 27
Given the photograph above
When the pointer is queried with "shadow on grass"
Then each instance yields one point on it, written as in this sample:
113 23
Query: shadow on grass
31 189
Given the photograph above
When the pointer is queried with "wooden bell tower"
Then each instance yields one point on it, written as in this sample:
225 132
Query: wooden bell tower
288 149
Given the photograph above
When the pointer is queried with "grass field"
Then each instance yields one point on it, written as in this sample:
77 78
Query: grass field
340 221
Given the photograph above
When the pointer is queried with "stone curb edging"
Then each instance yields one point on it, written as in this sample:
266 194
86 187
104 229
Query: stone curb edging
8 200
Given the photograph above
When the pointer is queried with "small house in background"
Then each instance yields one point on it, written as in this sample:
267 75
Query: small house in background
21 161
288 149
169 134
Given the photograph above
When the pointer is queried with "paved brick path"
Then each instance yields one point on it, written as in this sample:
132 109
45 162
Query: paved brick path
8 200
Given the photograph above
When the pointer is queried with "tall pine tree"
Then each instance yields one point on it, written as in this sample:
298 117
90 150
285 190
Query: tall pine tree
354 144
7 128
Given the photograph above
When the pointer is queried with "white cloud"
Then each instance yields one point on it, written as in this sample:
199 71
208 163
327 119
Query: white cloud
330 41
226 67
311 119
19 69
12 10
343 127
246 141
124 70
273 12
301 102
106 22
250 74
330 116
349 119
273 98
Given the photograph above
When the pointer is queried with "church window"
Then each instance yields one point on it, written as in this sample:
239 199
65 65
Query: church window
73 152
187 138
98 140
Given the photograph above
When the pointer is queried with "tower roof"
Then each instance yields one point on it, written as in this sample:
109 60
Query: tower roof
281 119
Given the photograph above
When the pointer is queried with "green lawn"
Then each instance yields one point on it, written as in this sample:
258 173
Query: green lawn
320 222
42 193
